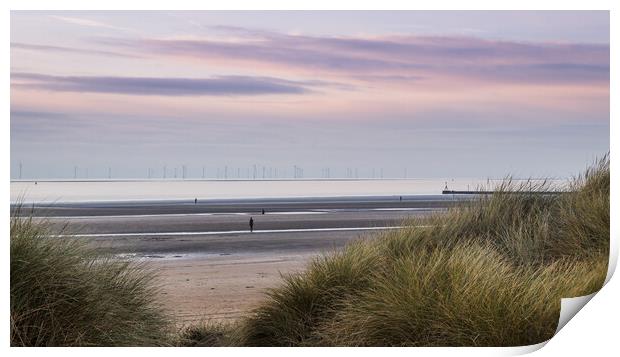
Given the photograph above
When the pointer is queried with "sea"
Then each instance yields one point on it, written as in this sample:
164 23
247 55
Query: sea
59 191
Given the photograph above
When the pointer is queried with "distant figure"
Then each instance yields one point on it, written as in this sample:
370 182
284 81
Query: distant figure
263 211
401 198
251 224
195 200
35 182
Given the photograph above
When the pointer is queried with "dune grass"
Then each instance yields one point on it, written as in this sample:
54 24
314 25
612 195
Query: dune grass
490 273
469 296
207 334
64 293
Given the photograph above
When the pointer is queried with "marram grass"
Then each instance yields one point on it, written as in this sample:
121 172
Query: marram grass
64 293
489 273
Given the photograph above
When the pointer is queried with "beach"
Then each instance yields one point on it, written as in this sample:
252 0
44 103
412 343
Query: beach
221 288
210 266
196 233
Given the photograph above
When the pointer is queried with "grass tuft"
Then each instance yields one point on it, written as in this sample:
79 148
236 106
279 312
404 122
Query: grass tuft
64 293
207 334
290 315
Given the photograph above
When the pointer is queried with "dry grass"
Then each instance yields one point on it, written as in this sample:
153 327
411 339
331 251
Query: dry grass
66 294
490 273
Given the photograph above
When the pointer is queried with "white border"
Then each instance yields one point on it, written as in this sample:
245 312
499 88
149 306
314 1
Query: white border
593 330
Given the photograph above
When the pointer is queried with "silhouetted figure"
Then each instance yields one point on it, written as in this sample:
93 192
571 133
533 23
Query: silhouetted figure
263 211
401 198
251 224
195 200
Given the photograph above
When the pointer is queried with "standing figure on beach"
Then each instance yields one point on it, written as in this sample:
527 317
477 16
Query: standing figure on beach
251 224
195 200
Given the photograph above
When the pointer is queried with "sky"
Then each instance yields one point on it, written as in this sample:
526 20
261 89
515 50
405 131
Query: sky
416 94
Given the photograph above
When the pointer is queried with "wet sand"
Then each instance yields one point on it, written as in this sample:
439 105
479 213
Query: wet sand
222 277
210 266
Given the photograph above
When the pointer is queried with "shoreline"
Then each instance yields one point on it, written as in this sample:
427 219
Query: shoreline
209 265
107 192
232 200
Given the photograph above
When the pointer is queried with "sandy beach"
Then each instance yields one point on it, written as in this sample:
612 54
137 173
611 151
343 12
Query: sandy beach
210 266
220 288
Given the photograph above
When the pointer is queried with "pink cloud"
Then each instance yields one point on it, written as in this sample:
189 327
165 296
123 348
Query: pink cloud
390 57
